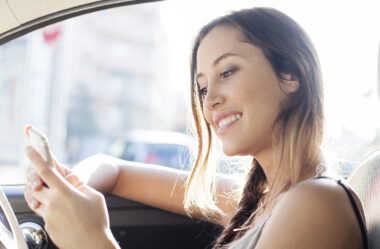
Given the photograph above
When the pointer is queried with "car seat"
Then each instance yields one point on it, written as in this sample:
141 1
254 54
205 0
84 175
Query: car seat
365 180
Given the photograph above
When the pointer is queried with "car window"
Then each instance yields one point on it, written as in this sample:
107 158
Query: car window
89 81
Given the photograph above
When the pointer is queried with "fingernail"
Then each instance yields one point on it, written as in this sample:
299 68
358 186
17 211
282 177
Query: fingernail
34 204
35 185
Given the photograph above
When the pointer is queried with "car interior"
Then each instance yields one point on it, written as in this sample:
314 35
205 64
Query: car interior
133 224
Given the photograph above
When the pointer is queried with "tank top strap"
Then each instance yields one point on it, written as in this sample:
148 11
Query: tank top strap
321 169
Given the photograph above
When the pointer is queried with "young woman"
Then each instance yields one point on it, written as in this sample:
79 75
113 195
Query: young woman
256 87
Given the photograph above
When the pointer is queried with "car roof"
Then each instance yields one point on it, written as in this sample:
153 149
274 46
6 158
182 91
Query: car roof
20 17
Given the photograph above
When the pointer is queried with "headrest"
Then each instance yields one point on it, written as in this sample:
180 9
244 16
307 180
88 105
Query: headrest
365 180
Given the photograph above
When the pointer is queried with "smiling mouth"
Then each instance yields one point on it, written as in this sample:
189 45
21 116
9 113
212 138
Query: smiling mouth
227 122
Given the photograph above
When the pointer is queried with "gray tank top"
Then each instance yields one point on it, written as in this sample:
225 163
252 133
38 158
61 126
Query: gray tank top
251 237
254 233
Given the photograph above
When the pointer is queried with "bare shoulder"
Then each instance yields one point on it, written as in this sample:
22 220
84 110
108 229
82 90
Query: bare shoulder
313 214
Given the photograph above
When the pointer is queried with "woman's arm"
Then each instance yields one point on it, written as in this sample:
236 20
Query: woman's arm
152 185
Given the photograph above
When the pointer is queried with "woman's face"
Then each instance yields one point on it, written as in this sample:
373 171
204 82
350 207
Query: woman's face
241 93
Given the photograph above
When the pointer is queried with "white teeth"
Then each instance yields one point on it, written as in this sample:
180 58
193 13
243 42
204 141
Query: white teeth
229 119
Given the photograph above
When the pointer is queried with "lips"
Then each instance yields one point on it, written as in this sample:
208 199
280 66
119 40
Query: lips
229 120
220 116
226 119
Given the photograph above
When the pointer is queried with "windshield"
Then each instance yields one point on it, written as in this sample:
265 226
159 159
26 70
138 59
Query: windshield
88 81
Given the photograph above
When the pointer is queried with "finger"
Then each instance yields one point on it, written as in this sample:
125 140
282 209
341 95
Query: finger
74 180
27 128
35 180
48 173
43 195
58 166
32 202
41 210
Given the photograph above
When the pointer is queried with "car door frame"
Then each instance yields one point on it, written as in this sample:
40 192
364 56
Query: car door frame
54 17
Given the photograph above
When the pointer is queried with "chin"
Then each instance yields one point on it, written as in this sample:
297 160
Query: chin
236 151
228 151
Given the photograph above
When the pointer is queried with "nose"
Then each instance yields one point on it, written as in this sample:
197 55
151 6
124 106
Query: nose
213 99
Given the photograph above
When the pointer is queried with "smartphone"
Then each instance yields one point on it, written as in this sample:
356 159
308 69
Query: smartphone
39 142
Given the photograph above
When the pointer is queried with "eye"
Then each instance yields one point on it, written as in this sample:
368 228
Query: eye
203 92
227 73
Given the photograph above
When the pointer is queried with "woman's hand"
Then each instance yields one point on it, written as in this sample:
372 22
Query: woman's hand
36 183
74 213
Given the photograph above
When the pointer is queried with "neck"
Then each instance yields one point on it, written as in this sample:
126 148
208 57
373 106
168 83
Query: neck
278 173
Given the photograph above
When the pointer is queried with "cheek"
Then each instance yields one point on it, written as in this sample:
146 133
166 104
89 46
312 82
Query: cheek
207 116
262 108
263 98
263 111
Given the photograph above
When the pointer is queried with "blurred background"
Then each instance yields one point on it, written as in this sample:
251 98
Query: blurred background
98 83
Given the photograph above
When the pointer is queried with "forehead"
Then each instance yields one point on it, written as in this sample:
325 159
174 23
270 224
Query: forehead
221 40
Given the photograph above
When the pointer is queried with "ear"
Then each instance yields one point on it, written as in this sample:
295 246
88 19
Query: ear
289 83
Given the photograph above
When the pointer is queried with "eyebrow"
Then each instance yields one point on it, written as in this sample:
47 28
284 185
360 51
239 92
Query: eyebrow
217 60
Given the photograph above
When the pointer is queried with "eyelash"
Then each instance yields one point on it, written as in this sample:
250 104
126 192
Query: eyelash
203 92
225 75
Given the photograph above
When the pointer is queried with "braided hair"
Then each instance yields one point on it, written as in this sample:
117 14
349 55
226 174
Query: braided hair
252 193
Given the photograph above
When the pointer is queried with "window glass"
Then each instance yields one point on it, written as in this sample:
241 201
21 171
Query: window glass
91 81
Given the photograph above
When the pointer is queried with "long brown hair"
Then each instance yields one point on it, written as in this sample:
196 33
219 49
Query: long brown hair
300 122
